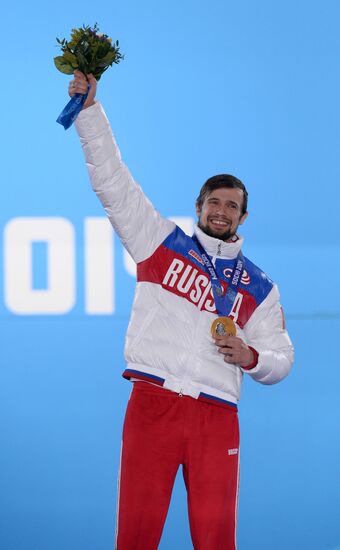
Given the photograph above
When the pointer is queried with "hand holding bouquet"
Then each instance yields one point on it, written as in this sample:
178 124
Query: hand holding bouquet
90 52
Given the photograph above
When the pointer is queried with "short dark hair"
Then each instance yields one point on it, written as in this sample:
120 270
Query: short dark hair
222 180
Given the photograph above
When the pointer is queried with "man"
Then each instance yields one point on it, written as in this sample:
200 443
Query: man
183 407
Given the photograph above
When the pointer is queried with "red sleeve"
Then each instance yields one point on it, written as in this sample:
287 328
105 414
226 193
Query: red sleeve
254 362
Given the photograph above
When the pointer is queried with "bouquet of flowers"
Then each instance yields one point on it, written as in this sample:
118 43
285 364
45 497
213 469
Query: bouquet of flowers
89 51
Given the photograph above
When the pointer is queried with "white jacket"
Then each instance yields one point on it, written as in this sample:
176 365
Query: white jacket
168 340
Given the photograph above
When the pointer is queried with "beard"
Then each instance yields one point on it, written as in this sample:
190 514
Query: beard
226 236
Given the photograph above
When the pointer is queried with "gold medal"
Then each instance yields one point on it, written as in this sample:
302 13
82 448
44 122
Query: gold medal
223 326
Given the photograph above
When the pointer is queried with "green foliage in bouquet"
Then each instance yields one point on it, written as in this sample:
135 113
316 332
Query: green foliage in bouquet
89 51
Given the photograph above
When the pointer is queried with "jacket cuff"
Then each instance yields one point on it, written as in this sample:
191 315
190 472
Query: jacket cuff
254 363
91 122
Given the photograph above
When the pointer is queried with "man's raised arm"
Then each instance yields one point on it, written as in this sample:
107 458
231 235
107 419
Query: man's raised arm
139 226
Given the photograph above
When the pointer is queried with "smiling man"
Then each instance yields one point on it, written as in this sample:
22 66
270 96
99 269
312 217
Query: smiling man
222 206
203 317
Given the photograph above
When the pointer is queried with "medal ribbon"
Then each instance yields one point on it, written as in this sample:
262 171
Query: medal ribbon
224 304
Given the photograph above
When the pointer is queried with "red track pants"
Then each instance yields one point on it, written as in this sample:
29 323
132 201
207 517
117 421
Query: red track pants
161 431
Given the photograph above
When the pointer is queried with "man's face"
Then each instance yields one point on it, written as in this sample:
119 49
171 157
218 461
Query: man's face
221 213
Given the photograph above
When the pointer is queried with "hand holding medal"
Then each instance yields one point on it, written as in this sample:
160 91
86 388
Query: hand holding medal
223 328
234 349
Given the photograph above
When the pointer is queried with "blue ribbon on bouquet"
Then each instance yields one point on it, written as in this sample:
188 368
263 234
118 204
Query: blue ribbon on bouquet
70 112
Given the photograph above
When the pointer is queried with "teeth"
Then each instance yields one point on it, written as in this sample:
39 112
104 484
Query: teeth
218 222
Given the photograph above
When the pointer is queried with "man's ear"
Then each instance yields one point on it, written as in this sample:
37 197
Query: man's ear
243 218
198 210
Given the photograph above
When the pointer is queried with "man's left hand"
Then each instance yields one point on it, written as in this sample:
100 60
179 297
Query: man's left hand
235 350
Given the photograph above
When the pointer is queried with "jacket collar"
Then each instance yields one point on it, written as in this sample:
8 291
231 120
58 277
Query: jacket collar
216 247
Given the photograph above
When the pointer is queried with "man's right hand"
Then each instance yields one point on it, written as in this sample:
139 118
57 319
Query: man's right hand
79 85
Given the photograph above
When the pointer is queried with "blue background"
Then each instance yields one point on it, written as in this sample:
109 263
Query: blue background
250 88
